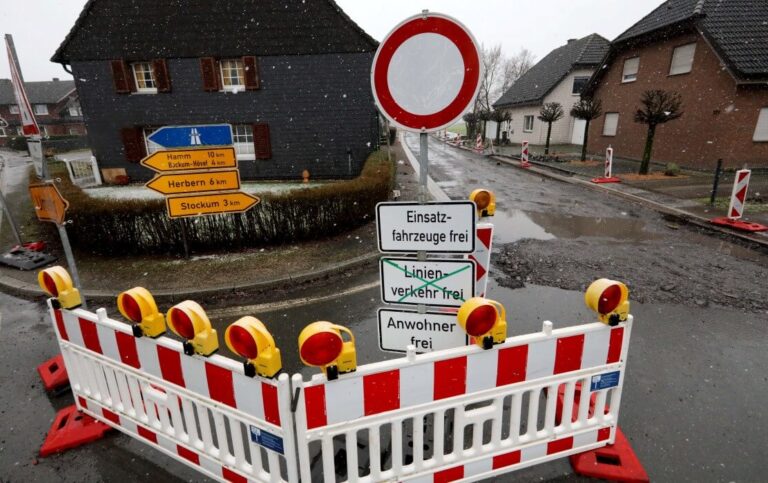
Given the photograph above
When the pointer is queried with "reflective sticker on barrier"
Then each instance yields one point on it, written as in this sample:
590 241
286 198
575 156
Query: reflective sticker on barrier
605 381
267 439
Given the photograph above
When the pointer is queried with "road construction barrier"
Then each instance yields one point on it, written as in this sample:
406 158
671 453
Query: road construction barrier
737 204
83 172
202 411
465 412
524 163
462 413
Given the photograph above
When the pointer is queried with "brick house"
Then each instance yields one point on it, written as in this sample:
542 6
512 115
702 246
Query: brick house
715 54
291 77
558 77
55 104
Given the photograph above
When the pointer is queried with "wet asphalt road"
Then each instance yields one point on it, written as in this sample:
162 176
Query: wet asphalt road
692 407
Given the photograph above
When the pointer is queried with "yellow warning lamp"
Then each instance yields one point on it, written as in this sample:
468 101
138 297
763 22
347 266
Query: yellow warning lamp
485 320
610 299
321 345
138 306
485 201
56 282
189 321
248 337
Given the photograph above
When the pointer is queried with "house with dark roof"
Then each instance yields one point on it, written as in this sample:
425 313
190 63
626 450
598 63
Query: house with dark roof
558 77
54 102
714 53
292 78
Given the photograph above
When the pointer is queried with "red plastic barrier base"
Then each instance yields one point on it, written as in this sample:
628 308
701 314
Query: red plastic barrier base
738 224
603 179
54 374
525 165
615 462
71 429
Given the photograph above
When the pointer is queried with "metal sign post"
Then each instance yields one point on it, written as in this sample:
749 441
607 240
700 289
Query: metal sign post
71 261
11 221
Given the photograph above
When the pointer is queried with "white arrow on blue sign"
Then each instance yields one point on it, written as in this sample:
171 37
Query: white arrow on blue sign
192 136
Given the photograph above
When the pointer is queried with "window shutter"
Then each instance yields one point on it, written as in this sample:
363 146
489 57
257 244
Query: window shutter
133 144
121 76
252 78
162 80
261 141
210 71
631 66
610 123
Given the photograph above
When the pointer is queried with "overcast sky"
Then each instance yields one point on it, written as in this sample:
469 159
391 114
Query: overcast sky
39 26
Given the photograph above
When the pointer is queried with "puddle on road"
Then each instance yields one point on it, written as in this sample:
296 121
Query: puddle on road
519 225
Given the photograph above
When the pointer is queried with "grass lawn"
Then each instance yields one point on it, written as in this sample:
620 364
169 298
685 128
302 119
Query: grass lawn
724 201
459 128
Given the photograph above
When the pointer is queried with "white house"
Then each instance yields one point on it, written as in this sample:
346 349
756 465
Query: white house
558 77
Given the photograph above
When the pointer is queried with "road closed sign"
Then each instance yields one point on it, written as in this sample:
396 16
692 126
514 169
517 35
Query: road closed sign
443 227
426 72
427 332
442 283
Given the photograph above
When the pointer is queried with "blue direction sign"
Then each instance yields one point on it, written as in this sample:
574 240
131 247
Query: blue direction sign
192 136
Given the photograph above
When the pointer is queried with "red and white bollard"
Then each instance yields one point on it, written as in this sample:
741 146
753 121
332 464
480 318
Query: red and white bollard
736 207
607 176
479 143
524 156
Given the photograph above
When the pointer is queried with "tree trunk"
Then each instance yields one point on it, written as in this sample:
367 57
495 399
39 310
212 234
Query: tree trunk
586 140
645 164
498 132
549 132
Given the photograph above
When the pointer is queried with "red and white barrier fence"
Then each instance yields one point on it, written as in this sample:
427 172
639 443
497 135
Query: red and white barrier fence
464 413
479 143
737 204
202 411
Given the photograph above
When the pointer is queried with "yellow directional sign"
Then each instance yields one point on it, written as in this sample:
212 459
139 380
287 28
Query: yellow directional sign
210 204
174 184
191 159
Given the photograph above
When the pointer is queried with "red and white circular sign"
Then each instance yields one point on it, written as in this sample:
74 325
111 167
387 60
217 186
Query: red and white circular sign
426 72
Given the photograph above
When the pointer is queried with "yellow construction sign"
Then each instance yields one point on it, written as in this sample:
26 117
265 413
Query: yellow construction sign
197 182
210 204
190 159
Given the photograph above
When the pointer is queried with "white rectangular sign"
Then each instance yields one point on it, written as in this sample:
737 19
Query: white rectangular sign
442 283
35 148
426 332
443 227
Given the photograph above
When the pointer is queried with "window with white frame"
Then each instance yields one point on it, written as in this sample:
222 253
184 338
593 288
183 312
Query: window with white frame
242 136
41 109
144 75
232 75
151 147
611 123
527 123
44 131
2 132
73 132
14 109
682 59
19 131
75 111
761 130
631 67
578 85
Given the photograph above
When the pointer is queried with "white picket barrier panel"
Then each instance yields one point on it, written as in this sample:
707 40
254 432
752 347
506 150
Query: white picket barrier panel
84 172
464 413
202 411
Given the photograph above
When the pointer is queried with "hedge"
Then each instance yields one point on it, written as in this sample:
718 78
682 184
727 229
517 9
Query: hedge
112 227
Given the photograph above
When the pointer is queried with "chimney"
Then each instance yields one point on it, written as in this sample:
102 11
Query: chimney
55 79
571 40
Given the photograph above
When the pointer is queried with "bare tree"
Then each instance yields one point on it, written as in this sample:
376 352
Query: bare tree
490 82
515 67
500 116
658 107
549 113
587 109
470 119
